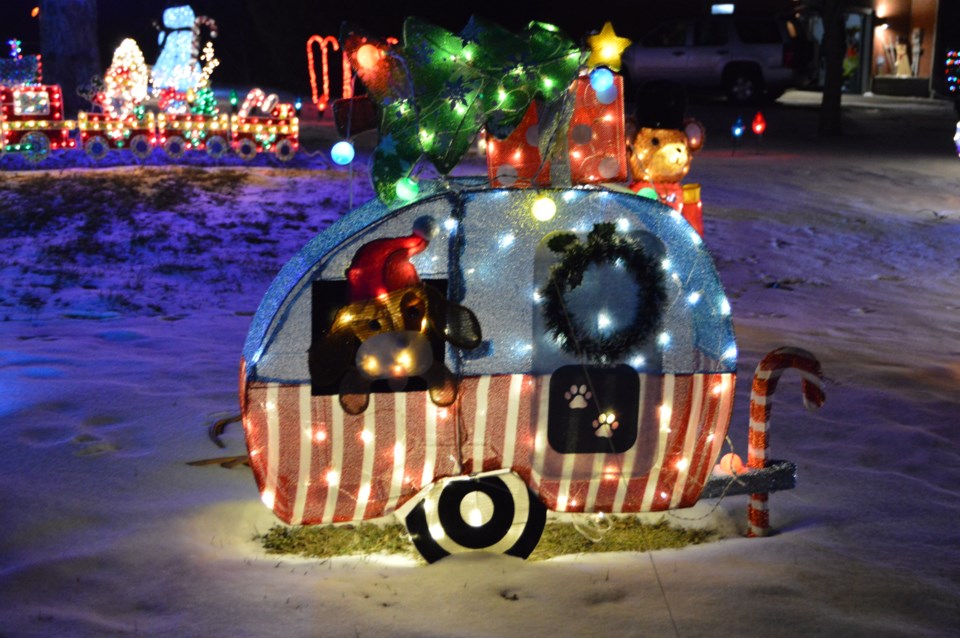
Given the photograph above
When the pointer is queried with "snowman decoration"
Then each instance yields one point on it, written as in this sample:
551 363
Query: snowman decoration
178 65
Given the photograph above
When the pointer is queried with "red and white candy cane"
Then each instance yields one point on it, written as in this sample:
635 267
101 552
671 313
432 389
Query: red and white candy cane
257 99
198 23
765 381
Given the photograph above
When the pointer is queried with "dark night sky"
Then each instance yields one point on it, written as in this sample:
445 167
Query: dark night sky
263 42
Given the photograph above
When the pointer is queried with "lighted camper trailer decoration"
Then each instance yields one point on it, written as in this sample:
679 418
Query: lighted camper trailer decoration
467 357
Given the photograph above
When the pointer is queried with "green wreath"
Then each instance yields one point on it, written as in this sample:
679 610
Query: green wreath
603 245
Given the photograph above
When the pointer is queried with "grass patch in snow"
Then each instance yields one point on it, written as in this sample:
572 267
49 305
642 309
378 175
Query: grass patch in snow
325 541
625 534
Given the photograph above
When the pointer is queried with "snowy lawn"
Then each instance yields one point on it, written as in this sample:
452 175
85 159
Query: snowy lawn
126 295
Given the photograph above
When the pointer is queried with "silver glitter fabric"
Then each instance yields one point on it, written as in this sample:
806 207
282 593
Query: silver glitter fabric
492 253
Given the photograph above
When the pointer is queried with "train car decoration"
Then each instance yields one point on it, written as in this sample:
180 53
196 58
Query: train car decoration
466 355
100 133
32 124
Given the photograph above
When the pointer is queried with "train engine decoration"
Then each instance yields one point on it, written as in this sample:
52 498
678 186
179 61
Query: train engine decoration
31 121
603 379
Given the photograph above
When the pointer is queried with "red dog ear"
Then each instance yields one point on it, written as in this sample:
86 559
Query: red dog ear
696 134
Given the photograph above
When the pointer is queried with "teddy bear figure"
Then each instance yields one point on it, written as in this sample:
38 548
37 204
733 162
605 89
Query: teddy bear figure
662 149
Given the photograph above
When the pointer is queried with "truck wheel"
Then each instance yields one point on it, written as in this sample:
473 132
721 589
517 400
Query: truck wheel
493 512
744 85
35 147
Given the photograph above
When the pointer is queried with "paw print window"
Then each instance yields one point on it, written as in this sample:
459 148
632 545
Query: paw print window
593 409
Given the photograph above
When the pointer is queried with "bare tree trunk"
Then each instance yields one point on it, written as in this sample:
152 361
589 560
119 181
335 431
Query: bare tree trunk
834 43
68 44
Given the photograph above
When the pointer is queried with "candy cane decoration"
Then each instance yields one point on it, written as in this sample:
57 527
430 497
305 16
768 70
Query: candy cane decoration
765 381
321 101
256 98
198 22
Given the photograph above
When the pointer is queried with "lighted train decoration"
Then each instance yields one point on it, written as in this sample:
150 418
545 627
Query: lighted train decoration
403 363
32 124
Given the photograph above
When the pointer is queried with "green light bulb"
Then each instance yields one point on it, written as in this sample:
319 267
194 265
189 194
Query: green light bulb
407 189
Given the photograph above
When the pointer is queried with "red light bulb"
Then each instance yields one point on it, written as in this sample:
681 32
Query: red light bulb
759 124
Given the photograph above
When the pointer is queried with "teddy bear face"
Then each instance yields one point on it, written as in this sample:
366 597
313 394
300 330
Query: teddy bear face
660 155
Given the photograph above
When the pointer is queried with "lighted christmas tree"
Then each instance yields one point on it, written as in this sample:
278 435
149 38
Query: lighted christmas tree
125 82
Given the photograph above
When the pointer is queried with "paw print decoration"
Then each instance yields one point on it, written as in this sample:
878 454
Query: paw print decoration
605 424
578 395
593 409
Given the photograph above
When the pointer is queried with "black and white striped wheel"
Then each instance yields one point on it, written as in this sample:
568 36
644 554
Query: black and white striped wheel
493 512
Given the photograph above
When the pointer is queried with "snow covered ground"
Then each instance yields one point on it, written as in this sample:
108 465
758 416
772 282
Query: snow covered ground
121 328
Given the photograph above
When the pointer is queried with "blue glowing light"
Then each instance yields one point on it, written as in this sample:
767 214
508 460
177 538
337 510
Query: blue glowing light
342 152
601 79
737 128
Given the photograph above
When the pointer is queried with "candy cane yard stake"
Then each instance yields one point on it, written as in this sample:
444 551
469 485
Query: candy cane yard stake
765 381
321 101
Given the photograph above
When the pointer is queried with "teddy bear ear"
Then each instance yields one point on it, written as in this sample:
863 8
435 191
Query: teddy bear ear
630 128
696 134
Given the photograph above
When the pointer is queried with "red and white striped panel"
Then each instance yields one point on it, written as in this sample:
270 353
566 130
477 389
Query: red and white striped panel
315 464
683 423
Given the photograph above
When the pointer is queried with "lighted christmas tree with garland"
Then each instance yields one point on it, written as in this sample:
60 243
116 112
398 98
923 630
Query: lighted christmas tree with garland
439 89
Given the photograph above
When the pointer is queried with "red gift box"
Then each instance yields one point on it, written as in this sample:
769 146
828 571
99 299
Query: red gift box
597 142
515 161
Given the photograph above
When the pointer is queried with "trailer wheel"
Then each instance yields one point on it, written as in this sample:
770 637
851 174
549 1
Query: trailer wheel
246 149
97 147
494 512
141 147
35 147
175 146
284 150
217 146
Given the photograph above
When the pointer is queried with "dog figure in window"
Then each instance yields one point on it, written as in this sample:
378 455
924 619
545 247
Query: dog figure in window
384 332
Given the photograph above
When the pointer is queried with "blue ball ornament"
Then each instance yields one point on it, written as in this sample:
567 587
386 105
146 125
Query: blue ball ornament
601 79
342 152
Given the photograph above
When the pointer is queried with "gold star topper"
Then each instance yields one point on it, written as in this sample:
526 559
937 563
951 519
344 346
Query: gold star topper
606 48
